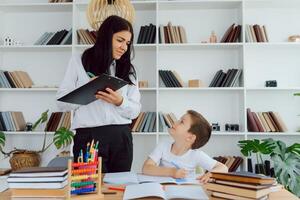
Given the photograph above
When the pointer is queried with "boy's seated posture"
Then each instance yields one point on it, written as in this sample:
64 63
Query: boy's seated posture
181 157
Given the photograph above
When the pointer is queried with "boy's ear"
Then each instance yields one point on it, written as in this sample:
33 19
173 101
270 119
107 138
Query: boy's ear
191 138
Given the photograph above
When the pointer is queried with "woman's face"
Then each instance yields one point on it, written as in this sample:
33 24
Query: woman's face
120 42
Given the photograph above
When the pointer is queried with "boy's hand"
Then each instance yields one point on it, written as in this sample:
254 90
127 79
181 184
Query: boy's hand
205 178
180 173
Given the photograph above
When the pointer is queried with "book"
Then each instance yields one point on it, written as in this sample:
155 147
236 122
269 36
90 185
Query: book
250 193
38 185
37 179
234 197
128 178
86 93
243 177
165 192
38 193
243 185
39 172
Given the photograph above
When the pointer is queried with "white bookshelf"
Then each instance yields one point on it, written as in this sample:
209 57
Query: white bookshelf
27 20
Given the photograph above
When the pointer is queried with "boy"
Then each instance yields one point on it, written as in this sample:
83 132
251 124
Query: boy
180 158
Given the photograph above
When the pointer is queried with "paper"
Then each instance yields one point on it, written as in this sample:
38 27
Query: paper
171 191
121 178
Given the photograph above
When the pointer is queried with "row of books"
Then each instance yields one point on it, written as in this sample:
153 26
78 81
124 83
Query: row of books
172 34
147 34
86 36
256 33
145 122
166 120
58 120
62 37
232 34
265 122
170 78
38 178
15 79
228 79
12 121
232 162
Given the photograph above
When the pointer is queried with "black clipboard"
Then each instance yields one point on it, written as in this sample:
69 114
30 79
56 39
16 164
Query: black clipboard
86 93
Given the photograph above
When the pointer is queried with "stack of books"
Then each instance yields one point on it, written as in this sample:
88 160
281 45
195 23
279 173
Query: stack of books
85 36
38 178
228 79
58 120
62 37
256 33
145 122
170 78
12 121
15 79
166 120
147 34
242 186
265 122
232 34
232 162
172 34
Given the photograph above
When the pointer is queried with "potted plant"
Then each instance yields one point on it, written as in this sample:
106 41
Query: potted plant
286 160
258 148
286 165
297 94
22 158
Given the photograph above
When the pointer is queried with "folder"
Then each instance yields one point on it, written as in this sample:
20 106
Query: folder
86 93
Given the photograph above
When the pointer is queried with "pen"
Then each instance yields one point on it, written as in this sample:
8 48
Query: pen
91 75
116 188
175 165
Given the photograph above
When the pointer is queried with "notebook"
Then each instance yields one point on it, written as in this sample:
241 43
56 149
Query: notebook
86 93
127 178
39 172
166 192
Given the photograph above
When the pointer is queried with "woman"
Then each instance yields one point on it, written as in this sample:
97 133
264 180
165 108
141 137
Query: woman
107 119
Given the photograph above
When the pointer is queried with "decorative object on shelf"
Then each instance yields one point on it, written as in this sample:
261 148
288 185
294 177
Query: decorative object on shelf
23 158
195 83
29 126
143 84
215 126
9 41
232 127
99 10
271 83
294 38
213 37
286 160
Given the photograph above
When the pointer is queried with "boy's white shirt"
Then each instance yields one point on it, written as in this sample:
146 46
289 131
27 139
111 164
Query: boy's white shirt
163 157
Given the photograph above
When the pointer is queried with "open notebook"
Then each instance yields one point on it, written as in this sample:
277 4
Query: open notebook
128 178
166 192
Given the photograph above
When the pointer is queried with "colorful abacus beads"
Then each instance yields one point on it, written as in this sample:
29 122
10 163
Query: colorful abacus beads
84 171
82 184
84 164
81 177
83 190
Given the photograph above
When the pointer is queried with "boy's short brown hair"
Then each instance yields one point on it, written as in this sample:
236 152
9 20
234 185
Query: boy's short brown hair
200 128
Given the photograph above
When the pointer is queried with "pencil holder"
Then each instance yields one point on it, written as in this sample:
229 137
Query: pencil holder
84 180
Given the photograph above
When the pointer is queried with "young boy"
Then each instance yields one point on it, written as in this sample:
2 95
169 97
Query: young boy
181 157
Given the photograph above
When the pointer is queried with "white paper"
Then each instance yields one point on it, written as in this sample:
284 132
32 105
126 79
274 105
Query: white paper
185 192
121 178
143 190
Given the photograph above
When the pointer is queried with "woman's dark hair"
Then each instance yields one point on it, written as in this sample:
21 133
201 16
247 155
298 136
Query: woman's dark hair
98 58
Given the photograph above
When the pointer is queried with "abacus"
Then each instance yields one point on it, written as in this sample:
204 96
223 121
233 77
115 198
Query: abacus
84 180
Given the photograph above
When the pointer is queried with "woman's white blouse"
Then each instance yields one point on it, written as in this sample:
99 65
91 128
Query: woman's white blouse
99 112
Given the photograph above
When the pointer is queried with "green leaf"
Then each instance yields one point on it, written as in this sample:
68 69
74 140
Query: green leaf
63 137
2 140
297 94
287 166
43 118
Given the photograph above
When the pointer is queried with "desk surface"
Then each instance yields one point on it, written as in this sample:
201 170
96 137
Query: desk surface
280 195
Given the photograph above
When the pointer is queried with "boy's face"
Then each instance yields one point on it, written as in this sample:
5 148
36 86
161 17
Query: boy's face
179 131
